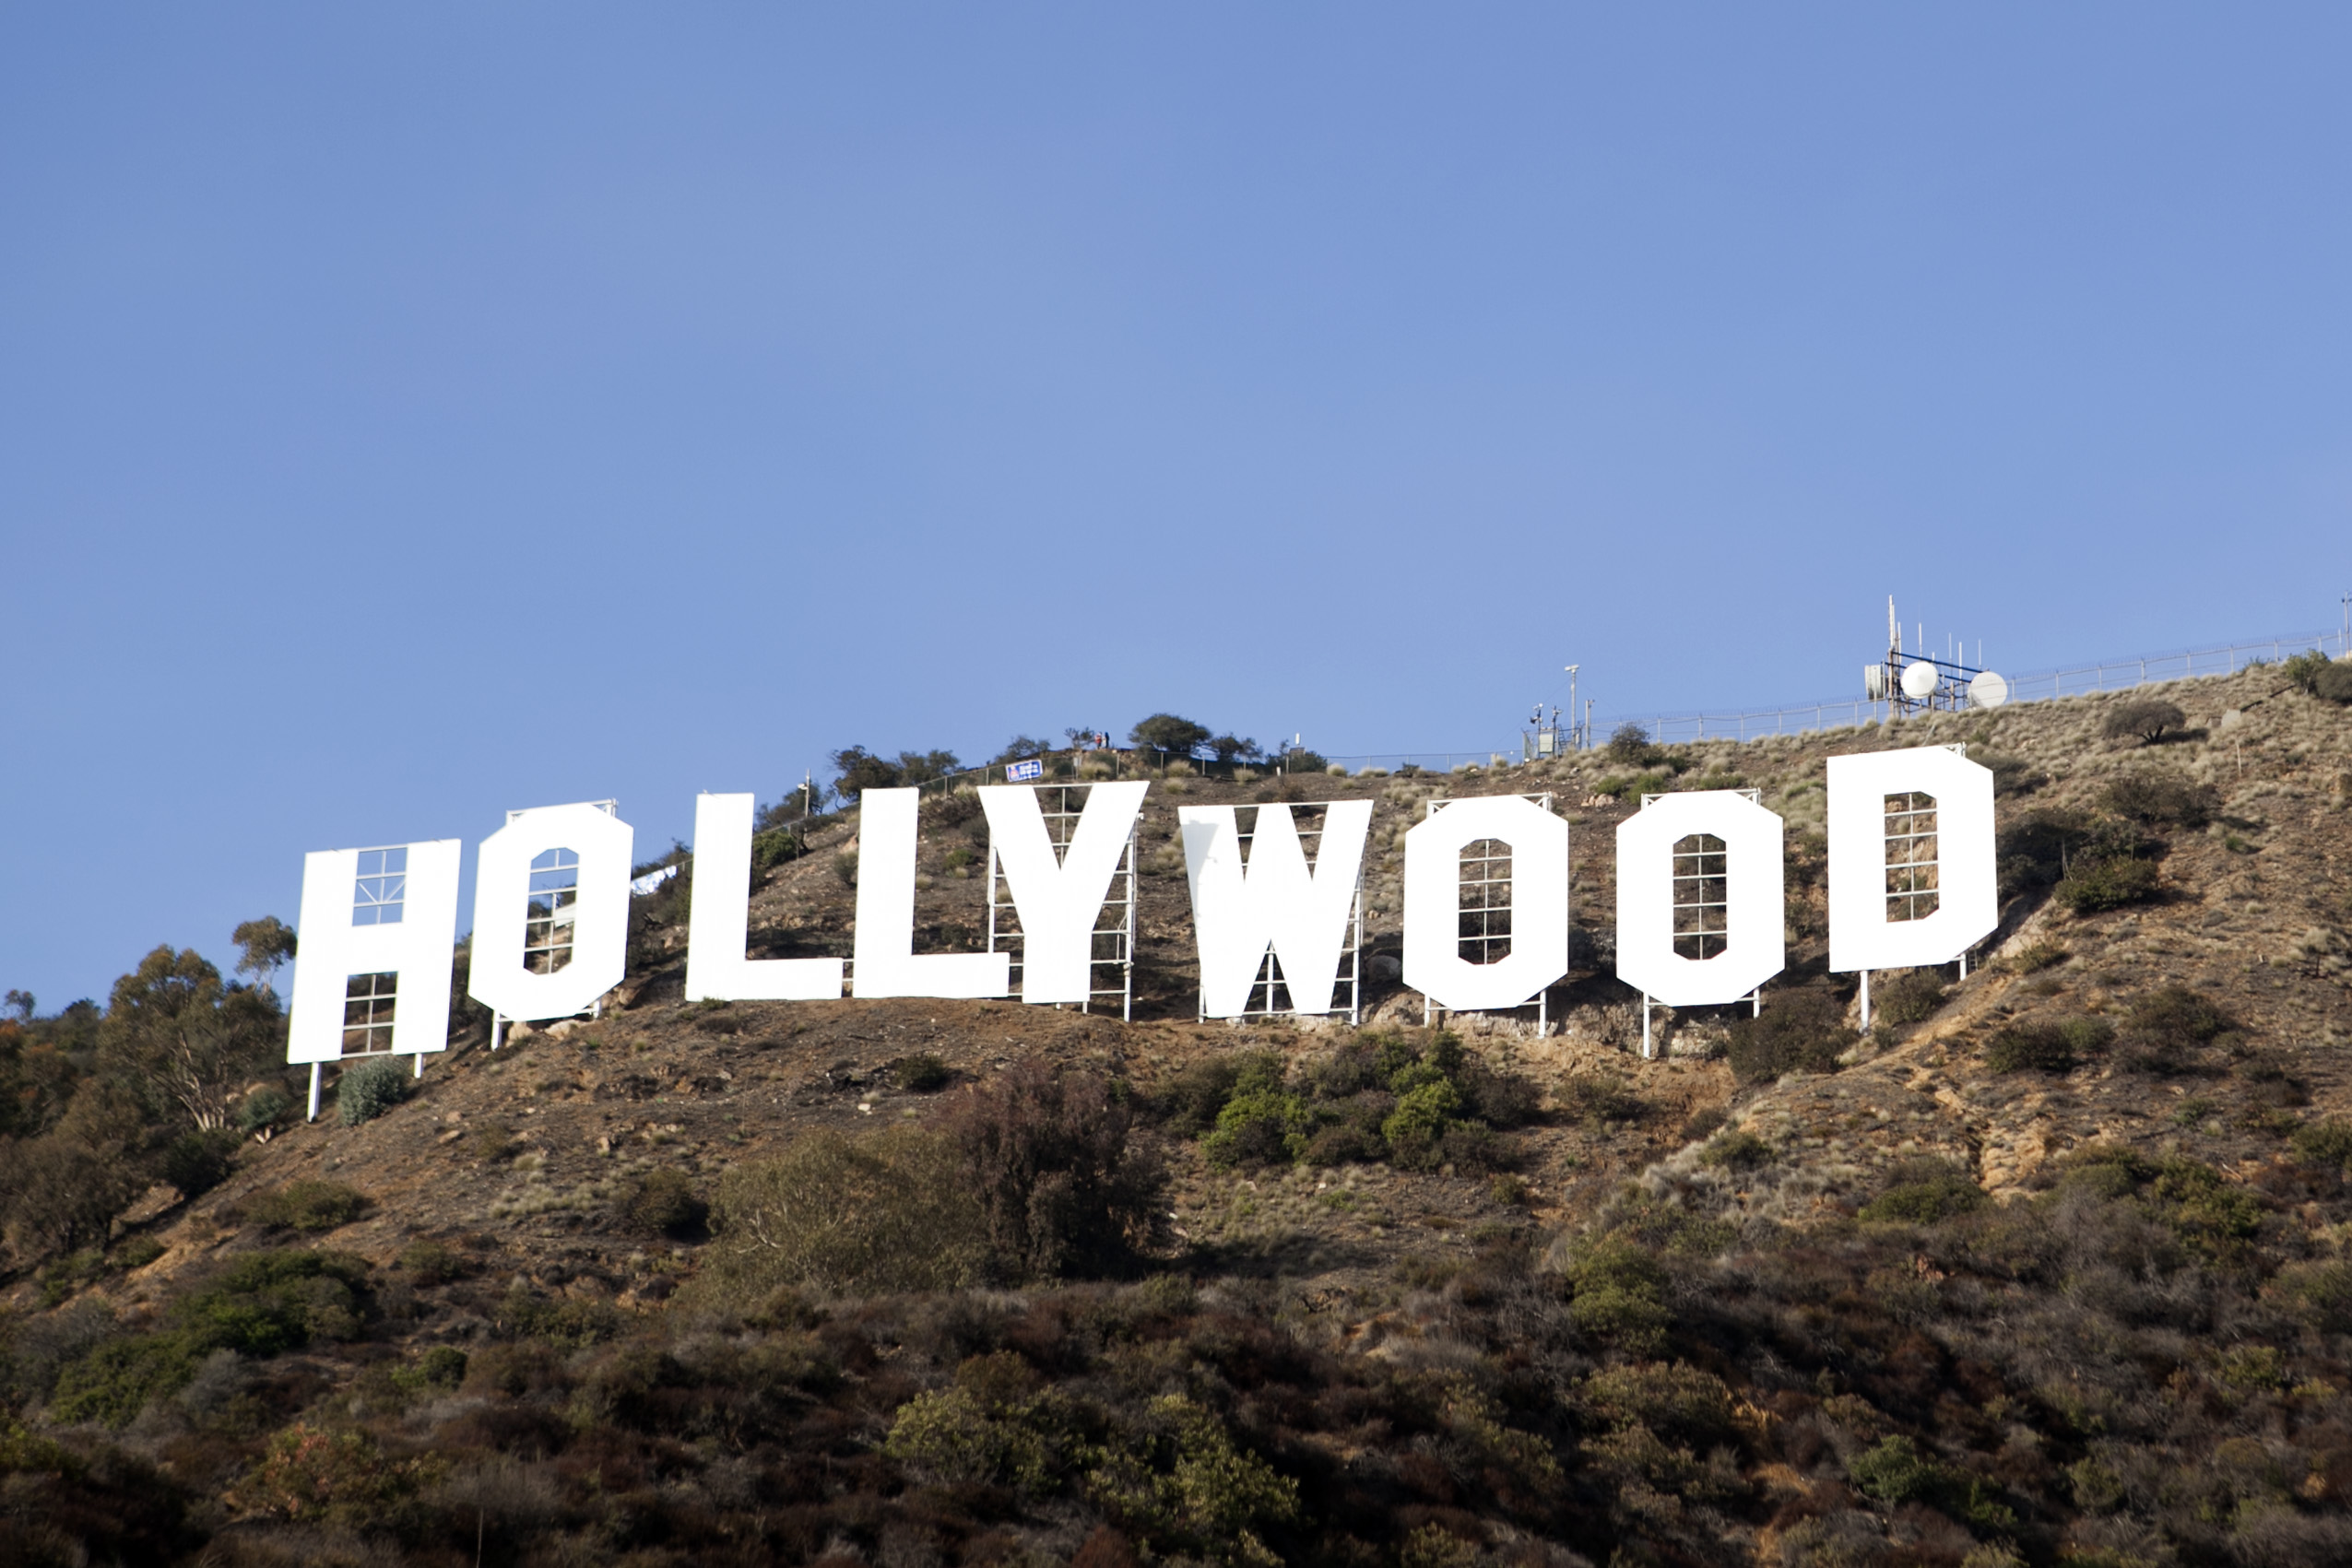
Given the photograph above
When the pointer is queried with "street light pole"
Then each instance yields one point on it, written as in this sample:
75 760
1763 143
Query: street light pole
1581 737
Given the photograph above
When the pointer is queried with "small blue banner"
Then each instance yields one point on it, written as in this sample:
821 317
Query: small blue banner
1017 772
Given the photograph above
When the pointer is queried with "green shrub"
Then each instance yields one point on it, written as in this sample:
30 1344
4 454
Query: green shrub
1799 1030
923 1073
2044 1047
137 1253
306 1204
1179 1479
262 1305
2176 1013
2324 1292
115 1381
1629 743
198 1161
1416 1128
2093 886
265 1107
2327 1145
2303 669
2033 960
444 1367
664 1203
2335 683
2163 799
774 848
368 1090
892 1212
1619 1294
1679 1401
1262 1123
1736 1151
1195 1096
561 1325
1599 1098
1925 1194
1912 996
428 1262
2208 1211
1896 1472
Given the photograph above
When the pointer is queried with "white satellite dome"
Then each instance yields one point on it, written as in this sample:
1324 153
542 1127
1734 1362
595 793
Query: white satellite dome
1919 680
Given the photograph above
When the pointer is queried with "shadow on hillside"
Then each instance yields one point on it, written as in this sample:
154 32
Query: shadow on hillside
1280 1255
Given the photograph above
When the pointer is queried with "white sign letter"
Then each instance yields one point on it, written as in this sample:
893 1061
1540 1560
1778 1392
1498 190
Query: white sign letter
1912 877
720 918
550 912
887 965
1699 915
1238 912
379 930
1433 962
1058 900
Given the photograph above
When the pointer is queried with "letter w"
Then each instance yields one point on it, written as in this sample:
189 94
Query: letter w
1274 900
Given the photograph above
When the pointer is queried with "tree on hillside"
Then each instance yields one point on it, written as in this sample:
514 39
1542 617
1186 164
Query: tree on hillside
180 1038
2147 717
1236 748
265 945
1167 733
861 769
1020 748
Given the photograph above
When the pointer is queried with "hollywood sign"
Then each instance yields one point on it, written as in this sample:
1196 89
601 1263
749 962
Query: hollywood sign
1911 883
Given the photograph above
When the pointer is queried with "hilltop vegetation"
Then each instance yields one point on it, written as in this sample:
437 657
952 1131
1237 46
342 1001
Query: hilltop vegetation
2047 1267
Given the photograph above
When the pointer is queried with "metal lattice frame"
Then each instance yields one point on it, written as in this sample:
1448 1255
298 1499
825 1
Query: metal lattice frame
1702 896
1912 885
1484 893
1269 982
1114 942
550 914
369 1003
1706 849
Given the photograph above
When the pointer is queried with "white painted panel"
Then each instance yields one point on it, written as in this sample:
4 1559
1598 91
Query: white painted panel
599 921
1274 899
721 915
420 948
1756 944
887 963
1058 902
1860 936
1433 960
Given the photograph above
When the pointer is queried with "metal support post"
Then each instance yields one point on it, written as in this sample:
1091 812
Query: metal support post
1644 1026
1865 1001
497 1030
313 1115
419 1059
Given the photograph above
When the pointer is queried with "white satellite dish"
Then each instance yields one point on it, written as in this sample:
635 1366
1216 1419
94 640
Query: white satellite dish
1988 690
1874 682
1919 681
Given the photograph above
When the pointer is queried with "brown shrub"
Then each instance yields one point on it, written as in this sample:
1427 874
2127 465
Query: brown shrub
1048 1158
2147 717
1798 1030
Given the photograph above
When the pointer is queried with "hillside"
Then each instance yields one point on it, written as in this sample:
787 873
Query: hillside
2049 1267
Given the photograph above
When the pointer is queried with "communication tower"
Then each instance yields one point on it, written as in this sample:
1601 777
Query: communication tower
1911 681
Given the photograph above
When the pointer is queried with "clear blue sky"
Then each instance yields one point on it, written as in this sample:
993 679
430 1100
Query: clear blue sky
411 412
